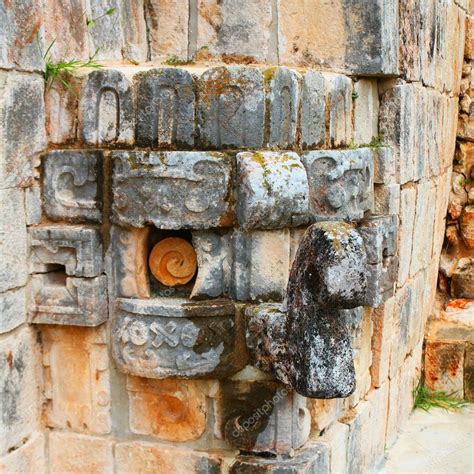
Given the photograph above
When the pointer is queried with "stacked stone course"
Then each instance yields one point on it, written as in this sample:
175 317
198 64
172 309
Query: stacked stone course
294 132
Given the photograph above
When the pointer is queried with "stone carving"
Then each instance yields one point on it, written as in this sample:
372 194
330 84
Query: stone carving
260 267
214 259
282 102
306 342
172 190
59 299
231 107
261 417
172 337
173 261
313 110
272 190
380 237
340 183
77 248
72 185
165 108
106 115
129 261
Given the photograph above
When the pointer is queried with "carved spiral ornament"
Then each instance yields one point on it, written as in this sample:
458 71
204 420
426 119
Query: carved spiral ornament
173 261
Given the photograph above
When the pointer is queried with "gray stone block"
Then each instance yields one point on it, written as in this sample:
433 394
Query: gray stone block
261 417
313 110
172 337
77 248
282 101
340 183
13 240
72 185
214 257
339 98
231 107
172 190
384 166
165 108
58 299
12 309
106 114
33 204
22 127
272 190
312 459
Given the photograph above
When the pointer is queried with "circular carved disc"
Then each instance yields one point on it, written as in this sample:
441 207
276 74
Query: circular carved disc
173 261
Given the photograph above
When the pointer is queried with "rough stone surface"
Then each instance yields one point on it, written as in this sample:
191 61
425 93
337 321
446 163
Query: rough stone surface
22 127
214 259
462 283
340 183
172 190
312 458
27 459
170 337
12 309
169 410
128 259
339 96
165 108
106 115
282 103
405 235
272 190
77 248
13 240
231 107
19 387
56 298
80 402
260 266
33 204
366 111
72 185
261 417
313 110
336 438
323 413
75 453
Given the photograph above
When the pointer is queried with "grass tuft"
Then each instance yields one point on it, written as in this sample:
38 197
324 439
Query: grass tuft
175 61
427 399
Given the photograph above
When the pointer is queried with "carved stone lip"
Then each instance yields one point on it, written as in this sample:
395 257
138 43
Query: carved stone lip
176 307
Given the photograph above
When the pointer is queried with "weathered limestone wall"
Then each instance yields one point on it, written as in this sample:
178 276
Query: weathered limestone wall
287 113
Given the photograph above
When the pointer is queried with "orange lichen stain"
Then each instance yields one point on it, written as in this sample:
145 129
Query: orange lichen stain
459 303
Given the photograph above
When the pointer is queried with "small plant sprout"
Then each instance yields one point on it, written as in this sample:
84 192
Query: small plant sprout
427 399
92 21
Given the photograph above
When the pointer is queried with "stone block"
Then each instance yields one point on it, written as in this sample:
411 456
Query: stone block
313 110
12 309
168 25
33 204
129 261
384 166
74 453
382 321
340 183
165 108
469 38
134 31
237 30
27 459
56 298
170 410
77 248
143 457
323 413
312 458
386 199
106 115
22 126
261 417
468 372
360 327
231 107
172 190
405 232
171 337
13 240
272 190
336 438
282 103
22 23
260 266
339 98
72 185
77 378
366 111
214 257
345 44
467 226
444 363
20 383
